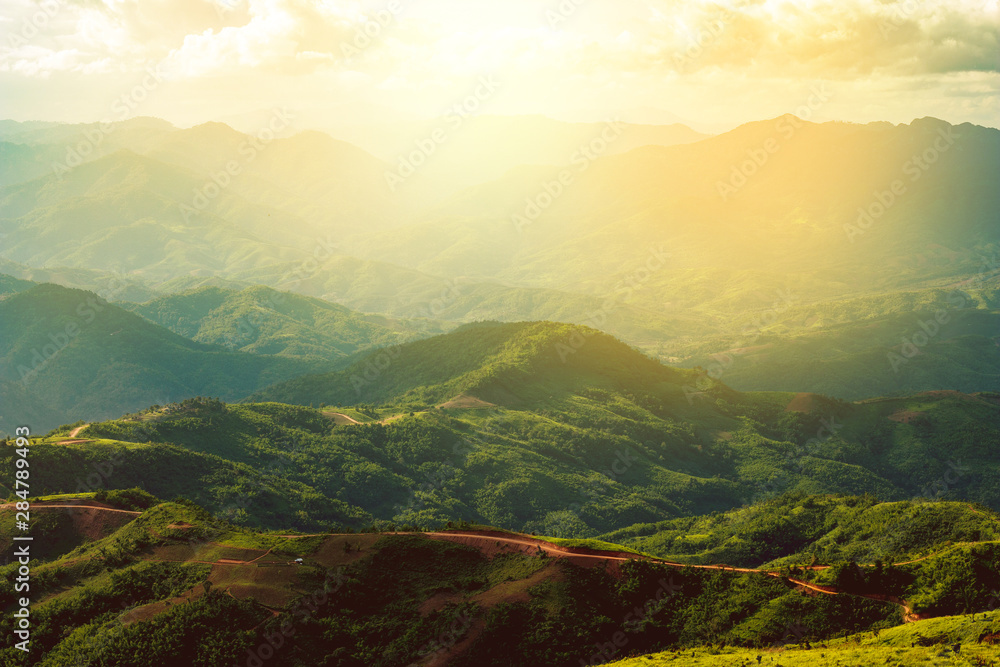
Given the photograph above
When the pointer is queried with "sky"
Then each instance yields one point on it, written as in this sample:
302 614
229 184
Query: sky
712 65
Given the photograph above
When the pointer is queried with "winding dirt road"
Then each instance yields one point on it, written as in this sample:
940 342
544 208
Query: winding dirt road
564 552
35 507
484 538
341 418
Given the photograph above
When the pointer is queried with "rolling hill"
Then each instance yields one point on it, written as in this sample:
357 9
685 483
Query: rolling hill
68 354
536 427
174 583
742 251
261 320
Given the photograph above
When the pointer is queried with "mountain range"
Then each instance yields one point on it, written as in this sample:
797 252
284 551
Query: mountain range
784 253
502 390
537 427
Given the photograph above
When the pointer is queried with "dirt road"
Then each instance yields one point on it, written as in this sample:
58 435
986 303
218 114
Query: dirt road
563 552
59 506
489 539
340 418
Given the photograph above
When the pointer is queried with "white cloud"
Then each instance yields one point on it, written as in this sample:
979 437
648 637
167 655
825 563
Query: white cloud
433 47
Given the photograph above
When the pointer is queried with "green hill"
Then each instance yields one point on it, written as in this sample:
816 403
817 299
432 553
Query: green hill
109 285
654 245
527 427
958 640
795 529
878 345
12 285
68 354
174 583
518 363
261 320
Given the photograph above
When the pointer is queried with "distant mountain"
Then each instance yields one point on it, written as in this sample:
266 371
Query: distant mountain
332 185
894 343
124 212
11 285
68 354
683 234
35 149
261 320
109 285
688 251
118 134
795 214
465 150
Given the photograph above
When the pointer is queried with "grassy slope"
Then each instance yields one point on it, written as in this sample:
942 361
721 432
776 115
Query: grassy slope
600 439
803 530
387 613
265 321
929 642
511 609
74 354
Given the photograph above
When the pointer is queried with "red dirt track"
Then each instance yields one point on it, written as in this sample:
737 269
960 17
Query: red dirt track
493 543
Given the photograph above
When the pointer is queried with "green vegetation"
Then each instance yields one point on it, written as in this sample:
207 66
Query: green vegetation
510 429
799 530
262 320
883 509
955 640
12 285
812 308
134 499
68 354
394 600
862 348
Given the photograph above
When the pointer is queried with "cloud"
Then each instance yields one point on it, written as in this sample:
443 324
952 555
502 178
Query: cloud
759 37
115 35
817 39
427 51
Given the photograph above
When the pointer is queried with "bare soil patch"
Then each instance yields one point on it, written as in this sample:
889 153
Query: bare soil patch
465 401
905 416
332 554
803 402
